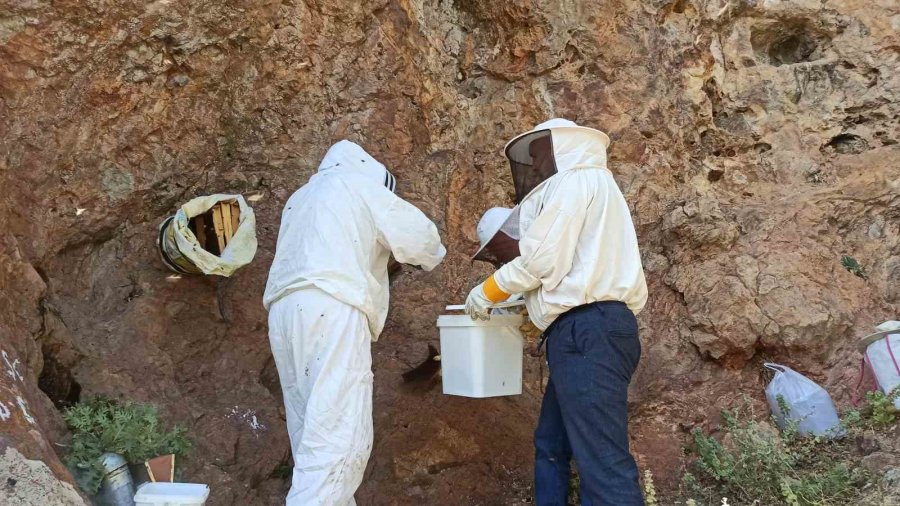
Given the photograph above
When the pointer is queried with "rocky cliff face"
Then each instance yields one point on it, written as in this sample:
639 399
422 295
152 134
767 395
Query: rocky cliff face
755 140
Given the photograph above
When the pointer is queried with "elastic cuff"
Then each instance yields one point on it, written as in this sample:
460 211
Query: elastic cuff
493 292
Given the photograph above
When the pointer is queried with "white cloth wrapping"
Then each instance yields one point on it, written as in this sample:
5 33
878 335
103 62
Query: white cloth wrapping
238 252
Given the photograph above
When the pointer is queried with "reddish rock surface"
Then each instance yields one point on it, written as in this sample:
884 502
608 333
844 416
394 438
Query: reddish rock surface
757 142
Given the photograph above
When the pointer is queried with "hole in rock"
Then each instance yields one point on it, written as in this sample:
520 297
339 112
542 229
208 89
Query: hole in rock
715 175
785 43
847 144
57 383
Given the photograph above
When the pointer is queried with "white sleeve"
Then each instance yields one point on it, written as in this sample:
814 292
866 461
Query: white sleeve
547 247
409 234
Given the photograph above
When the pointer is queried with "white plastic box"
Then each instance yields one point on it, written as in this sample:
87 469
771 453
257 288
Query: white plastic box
481 358
171 494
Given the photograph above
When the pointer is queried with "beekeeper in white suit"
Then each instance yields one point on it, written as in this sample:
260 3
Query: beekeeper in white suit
580 269
327 297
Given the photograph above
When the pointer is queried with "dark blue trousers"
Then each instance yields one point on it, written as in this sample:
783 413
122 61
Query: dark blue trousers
592 351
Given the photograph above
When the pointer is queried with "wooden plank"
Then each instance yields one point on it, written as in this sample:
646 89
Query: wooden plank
216 212
161 469
200 232
235 216
150 471
226 221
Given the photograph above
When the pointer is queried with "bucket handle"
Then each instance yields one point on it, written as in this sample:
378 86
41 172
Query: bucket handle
499 305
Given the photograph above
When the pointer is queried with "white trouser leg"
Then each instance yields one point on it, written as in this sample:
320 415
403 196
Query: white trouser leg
322 349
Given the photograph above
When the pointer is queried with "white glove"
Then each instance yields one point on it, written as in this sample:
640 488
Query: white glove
477 304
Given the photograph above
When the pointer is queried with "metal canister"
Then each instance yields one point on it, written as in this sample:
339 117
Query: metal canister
117 488
168 250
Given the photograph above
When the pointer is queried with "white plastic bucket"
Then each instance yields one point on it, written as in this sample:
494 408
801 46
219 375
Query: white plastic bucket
882 353
171 494
481 358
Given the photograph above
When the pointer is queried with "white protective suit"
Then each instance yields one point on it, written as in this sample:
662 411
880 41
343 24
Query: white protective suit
327 296
577 240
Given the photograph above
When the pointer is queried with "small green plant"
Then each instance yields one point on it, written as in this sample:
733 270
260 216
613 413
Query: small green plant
788 493
852 418
783 405
649 489
881 409
756 464
132 430
854 267
878 412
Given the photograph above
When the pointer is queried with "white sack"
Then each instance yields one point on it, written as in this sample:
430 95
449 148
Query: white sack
809 404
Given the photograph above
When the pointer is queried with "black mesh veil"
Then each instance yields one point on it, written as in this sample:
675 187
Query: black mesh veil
531 161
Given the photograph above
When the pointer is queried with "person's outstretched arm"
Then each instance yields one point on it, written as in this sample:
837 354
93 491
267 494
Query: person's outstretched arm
409 234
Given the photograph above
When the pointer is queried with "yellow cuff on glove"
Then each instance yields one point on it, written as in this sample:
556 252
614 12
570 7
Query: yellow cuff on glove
493 292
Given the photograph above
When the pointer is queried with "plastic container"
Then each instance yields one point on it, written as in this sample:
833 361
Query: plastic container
882 355
171 494
481 358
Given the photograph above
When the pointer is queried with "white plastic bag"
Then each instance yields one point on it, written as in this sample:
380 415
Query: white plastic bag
808 404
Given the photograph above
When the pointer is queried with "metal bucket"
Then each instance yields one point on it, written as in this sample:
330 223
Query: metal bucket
169 252
117 488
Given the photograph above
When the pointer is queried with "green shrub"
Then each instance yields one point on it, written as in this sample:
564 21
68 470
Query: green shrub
878 412
132 430
760 465
881 409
